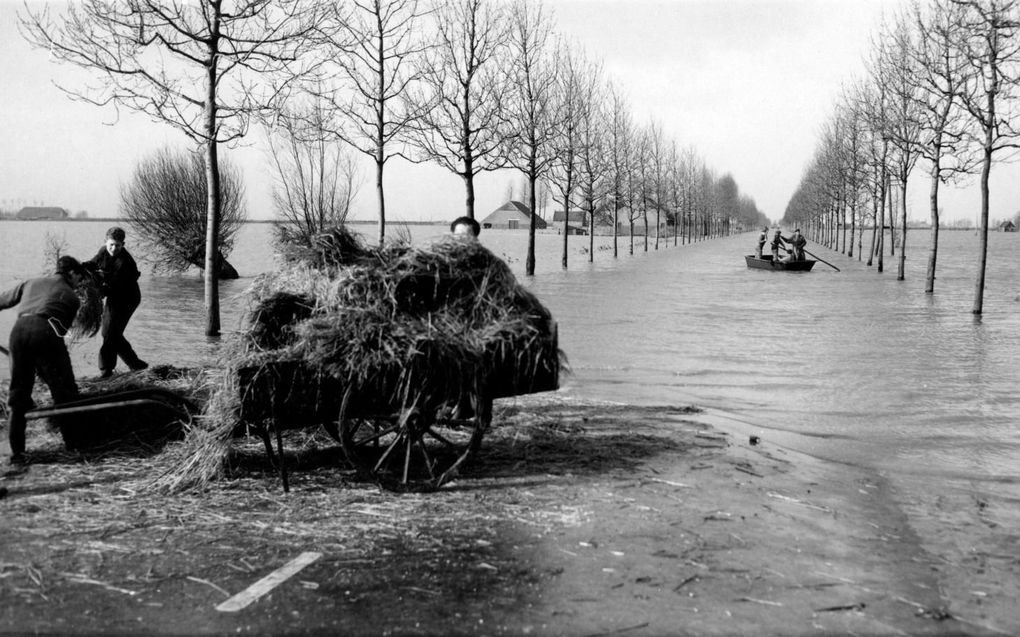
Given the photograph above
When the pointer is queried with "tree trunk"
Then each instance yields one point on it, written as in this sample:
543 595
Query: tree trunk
892 219
212 176
874 229
853 228
591 231
979 286
616 225
644 218
380 163
860 240
881 220
657 226
566 213
902 261
933 251
469 187
529 261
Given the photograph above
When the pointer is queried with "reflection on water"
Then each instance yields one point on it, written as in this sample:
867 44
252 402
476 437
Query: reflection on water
897 378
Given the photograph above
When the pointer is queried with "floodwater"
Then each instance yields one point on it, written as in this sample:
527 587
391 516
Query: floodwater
865 369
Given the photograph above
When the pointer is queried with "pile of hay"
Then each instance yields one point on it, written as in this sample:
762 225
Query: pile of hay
390 327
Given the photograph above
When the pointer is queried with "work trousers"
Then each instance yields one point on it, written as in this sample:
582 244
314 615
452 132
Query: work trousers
115 319
36 349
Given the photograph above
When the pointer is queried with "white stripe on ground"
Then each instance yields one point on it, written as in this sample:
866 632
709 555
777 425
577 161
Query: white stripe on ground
268 583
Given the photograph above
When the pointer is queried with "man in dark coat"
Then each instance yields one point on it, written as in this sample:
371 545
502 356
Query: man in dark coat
119 276
778 242
46 309
797 242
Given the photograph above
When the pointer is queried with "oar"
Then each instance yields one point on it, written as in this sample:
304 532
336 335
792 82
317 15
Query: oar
4 351
822 260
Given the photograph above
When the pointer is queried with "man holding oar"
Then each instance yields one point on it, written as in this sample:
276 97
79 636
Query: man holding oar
46 309
797 242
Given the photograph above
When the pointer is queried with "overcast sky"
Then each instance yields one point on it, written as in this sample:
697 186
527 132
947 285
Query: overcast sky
747 83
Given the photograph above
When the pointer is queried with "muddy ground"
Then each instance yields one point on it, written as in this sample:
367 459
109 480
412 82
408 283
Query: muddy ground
575 519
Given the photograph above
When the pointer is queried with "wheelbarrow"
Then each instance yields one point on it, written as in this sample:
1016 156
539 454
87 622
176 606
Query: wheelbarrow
141 417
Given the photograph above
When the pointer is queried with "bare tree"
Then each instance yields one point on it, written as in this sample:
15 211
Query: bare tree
727 197
872 104
315 181
674 182
989 39
851 140
375 54
642 184
618 150
576 86
691 167
165 201
657 156
592 162
940 73
462 92
706 204
532 109
174 62
895 71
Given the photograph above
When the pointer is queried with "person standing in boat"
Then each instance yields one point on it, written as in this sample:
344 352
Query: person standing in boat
797 242
120 286
762 240
777 244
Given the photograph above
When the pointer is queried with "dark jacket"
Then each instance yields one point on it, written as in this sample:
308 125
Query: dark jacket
48 296
120 276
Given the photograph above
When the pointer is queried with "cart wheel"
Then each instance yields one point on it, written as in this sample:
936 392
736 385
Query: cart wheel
415 450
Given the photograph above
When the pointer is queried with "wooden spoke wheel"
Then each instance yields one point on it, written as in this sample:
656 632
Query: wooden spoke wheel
415 449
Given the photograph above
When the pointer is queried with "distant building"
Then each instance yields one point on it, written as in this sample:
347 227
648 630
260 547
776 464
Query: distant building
576 222
604 215
665 223
513 215
1007 226
35 213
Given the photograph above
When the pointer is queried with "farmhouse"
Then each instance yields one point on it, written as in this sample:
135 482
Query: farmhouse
577 223
33 213
1007 226
513 215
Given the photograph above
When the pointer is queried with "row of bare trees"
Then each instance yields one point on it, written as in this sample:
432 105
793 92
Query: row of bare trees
942 86
477 86
470 85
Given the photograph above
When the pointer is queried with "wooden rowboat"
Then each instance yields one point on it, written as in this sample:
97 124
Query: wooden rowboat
767 263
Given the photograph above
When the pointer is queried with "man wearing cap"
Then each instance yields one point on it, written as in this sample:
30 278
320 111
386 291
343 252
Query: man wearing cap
46 309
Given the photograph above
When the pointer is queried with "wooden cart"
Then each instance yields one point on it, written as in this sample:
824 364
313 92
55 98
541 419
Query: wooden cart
403 440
